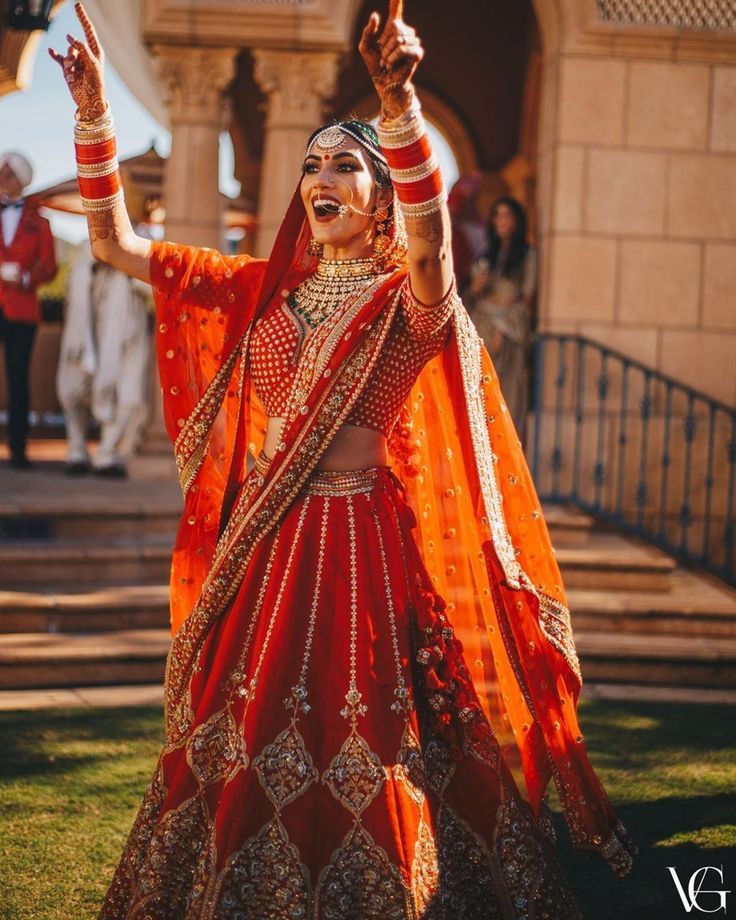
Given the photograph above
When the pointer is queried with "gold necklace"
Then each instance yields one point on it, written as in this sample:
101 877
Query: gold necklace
322 292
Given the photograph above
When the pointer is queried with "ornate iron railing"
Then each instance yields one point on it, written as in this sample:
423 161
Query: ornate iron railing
637 448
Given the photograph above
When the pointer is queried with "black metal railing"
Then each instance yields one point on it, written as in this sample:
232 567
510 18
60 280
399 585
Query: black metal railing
635 447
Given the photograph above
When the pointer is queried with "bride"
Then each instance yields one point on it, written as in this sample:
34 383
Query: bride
372 676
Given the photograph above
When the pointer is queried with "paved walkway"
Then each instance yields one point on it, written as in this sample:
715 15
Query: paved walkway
152 479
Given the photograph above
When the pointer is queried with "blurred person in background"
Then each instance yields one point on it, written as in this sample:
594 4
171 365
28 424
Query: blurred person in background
469 237
27 259
499 299
104 361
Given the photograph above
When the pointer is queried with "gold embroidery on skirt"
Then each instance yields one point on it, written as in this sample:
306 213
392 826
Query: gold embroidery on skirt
167 873
216 749
425 873
124 882
465 872
438 765
409 766
361 881
355 775
530 869
285 768
265 878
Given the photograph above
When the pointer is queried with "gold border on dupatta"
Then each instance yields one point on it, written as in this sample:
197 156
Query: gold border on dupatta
554 616
190 446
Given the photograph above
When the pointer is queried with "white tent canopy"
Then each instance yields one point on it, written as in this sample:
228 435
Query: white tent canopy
118 25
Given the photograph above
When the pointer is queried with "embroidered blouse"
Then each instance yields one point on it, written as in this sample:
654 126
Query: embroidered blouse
418 334
205 290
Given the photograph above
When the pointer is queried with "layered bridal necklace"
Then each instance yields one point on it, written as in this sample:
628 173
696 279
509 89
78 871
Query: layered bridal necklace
319 295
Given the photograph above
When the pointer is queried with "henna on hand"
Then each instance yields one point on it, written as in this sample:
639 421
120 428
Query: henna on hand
111 224
429 228
391 59
83 69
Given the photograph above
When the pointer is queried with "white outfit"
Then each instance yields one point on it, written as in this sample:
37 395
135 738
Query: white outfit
10 218
104 360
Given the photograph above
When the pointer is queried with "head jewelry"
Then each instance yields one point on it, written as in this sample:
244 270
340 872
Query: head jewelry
19 165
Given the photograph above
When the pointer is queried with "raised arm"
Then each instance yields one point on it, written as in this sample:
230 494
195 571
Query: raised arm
111 233
392 56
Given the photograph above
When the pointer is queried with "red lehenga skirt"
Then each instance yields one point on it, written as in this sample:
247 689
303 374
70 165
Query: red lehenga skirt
338 764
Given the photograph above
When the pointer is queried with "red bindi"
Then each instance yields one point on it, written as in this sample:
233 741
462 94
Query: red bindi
327 156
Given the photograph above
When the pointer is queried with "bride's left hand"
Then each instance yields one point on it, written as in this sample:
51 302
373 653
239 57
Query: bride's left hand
392 58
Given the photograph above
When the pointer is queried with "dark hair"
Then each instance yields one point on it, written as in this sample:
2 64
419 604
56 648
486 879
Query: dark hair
518 246
365 134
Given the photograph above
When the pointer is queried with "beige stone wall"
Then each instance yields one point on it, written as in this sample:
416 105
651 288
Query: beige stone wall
639 218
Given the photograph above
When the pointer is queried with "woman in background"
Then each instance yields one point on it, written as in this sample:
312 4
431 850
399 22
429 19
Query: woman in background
502 289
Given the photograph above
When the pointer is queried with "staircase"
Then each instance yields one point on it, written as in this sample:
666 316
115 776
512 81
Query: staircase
84 596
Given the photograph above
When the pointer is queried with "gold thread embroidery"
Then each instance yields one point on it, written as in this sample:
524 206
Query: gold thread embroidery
265 878
361 881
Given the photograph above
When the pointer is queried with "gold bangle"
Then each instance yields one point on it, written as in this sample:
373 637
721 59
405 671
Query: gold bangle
97 170
102 204
83 123
425 208
408 117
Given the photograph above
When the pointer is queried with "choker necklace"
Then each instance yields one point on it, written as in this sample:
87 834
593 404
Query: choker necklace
319 295
346 268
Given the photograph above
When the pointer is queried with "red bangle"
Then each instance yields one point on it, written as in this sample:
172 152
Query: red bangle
95 153
414 170
419 151
101 187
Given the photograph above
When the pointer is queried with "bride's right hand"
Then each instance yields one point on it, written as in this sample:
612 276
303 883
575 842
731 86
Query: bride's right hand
83 67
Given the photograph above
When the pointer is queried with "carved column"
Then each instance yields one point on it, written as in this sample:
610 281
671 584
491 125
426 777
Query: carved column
195 79
297 84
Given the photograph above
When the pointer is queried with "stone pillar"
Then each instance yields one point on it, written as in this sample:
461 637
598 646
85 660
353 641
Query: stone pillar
297 84
195 79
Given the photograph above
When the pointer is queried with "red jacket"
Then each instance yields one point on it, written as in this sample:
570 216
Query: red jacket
33 247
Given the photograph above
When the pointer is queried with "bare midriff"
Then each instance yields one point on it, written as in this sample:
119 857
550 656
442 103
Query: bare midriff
354 447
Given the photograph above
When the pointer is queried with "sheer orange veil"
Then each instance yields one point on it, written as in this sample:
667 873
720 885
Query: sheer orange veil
480 527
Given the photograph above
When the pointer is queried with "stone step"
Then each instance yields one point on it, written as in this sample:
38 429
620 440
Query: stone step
102 608
41 563
43 520
567 526
36 660
611 562
656 614
622 657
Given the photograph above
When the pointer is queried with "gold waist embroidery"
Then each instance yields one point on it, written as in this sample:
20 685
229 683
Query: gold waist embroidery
343 482
332 482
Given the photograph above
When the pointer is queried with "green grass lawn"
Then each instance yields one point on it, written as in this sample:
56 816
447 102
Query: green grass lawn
70 783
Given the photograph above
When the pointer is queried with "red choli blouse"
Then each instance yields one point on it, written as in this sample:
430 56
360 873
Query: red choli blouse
418 333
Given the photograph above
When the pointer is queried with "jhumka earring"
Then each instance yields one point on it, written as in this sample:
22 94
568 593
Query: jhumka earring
382 241
314 248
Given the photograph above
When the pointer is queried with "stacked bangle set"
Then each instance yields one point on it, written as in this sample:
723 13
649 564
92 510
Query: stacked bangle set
100 185
415 172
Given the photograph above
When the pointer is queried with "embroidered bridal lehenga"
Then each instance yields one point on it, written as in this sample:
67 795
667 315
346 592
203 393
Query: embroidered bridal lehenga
361 660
